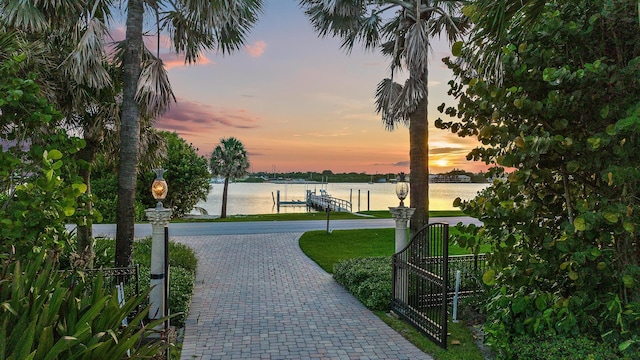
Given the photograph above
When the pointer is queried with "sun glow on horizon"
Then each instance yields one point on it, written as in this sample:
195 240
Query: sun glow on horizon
441 163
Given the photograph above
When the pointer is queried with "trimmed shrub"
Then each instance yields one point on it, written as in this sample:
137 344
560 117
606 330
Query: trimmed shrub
180 255
368 279
532 348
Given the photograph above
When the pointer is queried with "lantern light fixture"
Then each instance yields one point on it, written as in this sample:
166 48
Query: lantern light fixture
402 188
159 187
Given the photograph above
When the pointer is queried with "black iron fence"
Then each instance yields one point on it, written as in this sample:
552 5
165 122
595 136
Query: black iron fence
424 280
125 281
471 269
420 277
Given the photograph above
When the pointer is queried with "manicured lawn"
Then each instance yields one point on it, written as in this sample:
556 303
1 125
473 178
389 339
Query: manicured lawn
327 249
464 347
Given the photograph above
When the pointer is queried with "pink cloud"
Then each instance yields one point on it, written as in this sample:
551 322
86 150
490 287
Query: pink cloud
256 49
203 124
172 60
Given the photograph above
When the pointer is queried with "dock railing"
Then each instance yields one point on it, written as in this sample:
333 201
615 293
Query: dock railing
324 201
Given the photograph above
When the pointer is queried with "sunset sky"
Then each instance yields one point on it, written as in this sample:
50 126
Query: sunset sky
300 103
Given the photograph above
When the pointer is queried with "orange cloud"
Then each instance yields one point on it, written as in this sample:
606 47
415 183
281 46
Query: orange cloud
177 60
256 49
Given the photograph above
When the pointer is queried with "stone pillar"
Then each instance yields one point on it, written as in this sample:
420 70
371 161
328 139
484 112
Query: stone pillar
401 215
159 218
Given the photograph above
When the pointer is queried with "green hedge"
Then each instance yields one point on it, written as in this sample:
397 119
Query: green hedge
368 279
531 348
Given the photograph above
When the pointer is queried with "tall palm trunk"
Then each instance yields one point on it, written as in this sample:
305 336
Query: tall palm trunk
419 162
223 212
129 136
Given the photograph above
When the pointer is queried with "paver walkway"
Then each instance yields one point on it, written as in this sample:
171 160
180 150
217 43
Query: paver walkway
259 297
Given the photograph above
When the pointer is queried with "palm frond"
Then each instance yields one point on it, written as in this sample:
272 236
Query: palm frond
413 92
352 21
417 47
186 37
369 32
493 20
23 15
154 93
197 25
387 95
86 63
153 148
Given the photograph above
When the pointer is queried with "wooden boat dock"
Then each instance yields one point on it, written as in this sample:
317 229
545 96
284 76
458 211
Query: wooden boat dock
319 202
324 202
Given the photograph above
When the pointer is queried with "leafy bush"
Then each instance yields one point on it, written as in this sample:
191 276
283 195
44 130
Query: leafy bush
186 173
38 177
48 314
107 208
563 225
531 348
104 185
368 279
180 255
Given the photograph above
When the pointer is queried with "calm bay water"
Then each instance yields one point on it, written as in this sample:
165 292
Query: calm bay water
259 198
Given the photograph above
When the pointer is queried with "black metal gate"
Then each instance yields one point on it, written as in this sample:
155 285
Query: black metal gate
420 282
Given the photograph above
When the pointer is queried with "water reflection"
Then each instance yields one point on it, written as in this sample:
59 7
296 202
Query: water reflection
259 198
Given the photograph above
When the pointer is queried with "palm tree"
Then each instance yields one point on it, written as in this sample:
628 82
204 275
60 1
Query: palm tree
403 31
229 159
193 26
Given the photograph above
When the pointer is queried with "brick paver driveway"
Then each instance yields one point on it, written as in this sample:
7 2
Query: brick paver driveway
259 297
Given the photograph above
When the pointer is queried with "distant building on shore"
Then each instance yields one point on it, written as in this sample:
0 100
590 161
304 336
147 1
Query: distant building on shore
444 178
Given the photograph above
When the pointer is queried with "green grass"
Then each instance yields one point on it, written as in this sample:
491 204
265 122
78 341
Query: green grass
465 347
376 214
327 249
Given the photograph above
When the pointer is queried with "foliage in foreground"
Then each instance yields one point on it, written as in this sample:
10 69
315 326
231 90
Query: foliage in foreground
368 279
533 348
563 225
182 262
40 189
48 314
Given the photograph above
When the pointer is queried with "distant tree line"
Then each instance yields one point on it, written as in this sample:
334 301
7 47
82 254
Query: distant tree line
352 177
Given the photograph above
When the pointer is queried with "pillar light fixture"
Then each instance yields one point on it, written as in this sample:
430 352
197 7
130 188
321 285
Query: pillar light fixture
159 187
402 188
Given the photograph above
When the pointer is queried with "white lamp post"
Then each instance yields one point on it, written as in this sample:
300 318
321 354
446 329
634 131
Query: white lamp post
401 214
159 218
